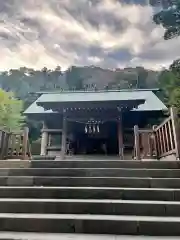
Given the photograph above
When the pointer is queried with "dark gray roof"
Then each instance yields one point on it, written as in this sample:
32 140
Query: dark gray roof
152 102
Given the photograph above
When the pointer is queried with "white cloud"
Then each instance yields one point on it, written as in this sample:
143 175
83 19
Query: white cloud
81 32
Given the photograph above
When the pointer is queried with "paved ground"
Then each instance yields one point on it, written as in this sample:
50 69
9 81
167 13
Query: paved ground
33 236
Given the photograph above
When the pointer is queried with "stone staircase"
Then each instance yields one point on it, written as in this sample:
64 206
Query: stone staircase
91 196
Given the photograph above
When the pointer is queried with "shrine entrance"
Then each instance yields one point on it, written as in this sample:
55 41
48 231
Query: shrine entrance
99 139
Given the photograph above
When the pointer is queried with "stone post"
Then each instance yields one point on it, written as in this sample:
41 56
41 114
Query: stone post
44 141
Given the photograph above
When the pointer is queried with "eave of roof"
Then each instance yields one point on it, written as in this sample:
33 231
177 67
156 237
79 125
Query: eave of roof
152 102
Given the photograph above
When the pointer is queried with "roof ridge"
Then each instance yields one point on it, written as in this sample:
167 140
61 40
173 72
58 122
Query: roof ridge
103 91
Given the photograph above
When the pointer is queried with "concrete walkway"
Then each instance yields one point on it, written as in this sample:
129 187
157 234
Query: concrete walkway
39 236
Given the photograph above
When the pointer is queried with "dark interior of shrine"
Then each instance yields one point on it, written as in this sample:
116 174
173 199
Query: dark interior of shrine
87 140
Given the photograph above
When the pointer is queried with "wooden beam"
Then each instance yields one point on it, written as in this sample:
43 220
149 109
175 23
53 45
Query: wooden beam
25 143
163 139
64 136
18 145
136 142
160 140
5 143
120 140
60 106
155 141
51 130
13 144
170 134
3 136
168 148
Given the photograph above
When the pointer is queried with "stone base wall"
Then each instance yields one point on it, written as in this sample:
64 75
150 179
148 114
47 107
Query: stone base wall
171 157
15 163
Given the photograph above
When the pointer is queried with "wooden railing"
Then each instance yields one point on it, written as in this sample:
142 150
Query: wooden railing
160 141
14 145
145 146
165 140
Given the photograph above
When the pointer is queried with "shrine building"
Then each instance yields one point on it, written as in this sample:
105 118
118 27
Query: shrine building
94 122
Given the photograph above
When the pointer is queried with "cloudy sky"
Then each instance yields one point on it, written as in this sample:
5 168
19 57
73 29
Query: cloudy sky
107 33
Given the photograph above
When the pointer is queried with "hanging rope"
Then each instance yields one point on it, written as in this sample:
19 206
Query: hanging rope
92 126
93 121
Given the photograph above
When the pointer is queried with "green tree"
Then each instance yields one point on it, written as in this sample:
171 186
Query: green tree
169 18
11 111
175 90
175 98
169 82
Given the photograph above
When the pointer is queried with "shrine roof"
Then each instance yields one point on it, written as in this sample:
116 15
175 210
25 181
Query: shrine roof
152 102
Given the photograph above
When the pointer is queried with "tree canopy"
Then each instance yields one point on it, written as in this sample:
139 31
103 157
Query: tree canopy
11 111
169 18
169 82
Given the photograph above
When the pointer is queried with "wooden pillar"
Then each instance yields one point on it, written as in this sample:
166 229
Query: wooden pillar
155 142
64 136
49 139
44 141
120 140
25 143
176 134
136 142
3 143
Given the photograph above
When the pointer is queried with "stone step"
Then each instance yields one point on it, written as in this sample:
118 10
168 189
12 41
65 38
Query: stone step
96 224
92 172
105 164
45 158
105 182
75 236
132 182
90 206
154 194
